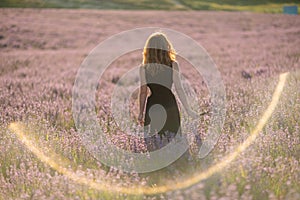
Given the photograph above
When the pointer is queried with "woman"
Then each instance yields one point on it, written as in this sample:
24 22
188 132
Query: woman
161 119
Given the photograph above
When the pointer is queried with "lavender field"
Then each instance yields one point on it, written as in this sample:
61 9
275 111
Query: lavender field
41 52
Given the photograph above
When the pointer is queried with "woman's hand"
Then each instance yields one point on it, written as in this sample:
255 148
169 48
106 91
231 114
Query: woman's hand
141 119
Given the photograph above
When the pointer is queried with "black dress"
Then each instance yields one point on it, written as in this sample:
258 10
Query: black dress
160 85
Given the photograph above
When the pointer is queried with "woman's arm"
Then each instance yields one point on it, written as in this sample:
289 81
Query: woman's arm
143 95
180 91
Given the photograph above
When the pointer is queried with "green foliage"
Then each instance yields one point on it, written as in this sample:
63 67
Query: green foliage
94 4
263 6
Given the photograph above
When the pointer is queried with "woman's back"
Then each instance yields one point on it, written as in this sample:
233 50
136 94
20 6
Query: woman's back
159 81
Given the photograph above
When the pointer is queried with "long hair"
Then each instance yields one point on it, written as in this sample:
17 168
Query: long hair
158 50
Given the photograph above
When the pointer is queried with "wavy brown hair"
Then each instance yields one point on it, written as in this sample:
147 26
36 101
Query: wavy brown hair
158 49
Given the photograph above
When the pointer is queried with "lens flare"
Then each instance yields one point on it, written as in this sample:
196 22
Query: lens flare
58 163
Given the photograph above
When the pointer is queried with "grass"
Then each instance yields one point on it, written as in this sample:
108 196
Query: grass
264 6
